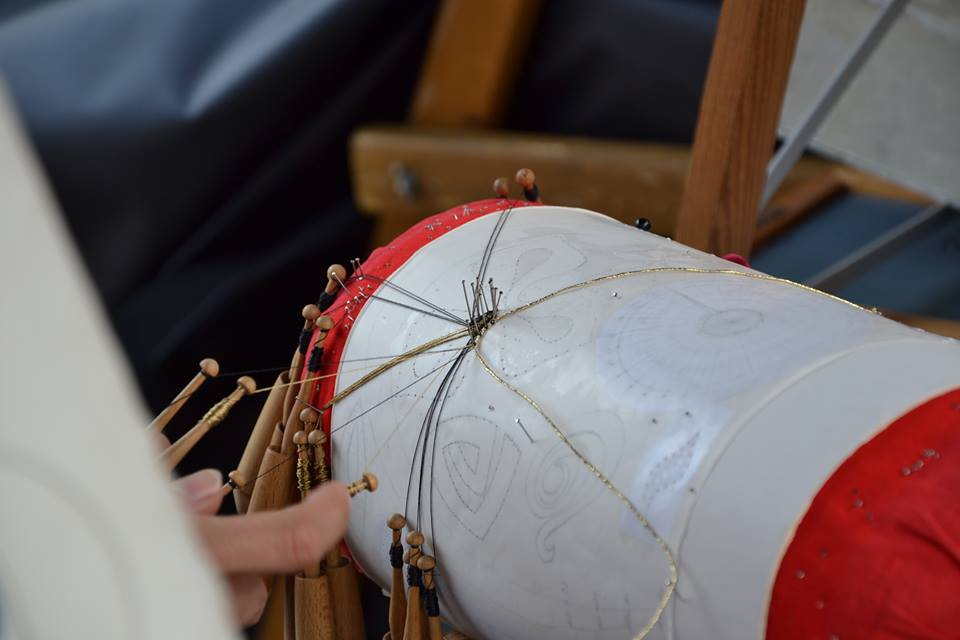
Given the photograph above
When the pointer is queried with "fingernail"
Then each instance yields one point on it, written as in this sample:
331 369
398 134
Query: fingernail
201 484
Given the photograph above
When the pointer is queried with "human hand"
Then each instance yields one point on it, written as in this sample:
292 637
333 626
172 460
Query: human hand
244 548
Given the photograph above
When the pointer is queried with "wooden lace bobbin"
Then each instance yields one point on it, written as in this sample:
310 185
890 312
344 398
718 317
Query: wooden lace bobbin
414 625
336 273
304 393
527 181
236 481
175 452
398 597
272 488
347 611
310 313
501 186
312 605
319 472
426 564
208 369
313 612
249 465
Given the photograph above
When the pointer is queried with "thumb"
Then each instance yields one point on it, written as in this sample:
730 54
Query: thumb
201 490
279 541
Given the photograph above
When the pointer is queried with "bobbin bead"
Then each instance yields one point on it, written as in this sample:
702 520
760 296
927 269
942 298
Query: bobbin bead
308 416
426 563
248 384
324 323
415 538
336 272
501 186
310 312
209 367
371 482
316 437
300 438
526 178
397 522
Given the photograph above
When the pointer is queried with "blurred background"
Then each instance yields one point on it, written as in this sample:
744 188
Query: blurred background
213 158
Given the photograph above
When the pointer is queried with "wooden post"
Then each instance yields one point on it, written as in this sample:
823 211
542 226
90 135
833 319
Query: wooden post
736 130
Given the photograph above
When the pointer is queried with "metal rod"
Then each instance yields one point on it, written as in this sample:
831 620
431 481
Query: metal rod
793 147
843 271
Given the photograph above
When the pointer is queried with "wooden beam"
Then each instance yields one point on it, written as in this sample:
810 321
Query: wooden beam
476 50
736 130
445 168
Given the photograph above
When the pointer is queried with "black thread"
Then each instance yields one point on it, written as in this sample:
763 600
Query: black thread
396 556
431 602
414 576
532 193
315 357
325 300
305 335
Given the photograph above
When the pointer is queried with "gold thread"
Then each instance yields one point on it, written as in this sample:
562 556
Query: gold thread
653 270
599 475
386 366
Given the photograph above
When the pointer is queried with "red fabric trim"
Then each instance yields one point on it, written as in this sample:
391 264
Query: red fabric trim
877 555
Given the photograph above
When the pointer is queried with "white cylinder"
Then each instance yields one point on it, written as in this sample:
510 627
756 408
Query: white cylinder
713 399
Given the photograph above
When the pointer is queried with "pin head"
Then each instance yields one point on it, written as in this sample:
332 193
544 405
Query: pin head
643 224
247 384
336 272
209 367
397 522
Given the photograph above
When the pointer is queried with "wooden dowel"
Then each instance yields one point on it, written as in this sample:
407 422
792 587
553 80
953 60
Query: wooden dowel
313 610
398 597
259 440
175 452
208 369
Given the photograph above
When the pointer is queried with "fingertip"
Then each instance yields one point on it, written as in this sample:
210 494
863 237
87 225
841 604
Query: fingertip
333 502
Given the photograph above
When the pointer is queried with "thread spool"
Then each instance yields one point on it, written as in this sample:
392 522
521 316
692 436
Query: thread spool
209 368
214 416
398 598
